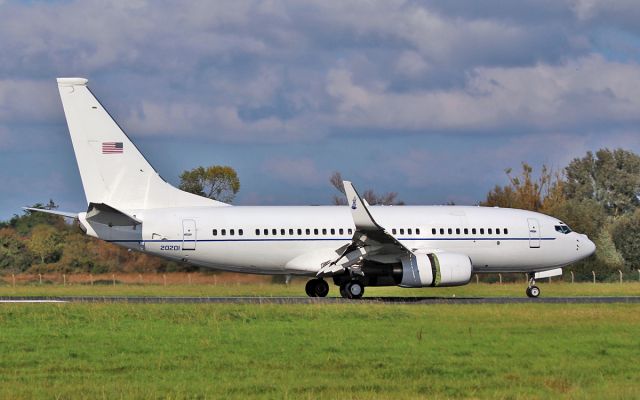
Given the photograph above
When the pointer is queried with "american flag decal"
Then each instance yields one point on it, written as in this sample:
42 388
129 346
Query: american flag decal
111 147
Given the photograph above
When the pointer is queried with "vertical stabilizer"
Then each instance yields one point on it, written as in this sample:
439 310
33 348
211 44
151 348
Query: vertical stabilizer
112 169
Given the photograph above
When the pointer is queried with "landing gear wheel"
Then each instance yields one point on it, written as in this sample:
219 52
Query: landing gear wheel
533 291
317 288
352 290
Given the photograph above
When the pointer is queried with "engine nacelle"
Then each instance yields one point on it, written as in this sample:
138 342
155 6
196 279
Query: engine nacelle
436 269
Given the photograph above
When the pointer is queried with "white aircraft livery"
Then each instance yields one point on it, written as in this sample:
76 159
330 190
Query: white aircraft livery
356 245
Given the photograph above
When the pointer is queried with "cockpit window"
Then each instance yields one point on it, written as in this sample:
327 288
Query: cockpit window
563 229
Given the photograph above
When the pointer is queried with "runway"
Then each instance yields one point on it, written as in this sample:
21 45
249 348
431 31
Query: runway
327 300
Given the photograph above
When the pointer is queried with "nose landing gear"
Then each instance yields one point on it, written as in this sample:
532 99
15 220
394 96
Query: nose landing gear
317 288
532 290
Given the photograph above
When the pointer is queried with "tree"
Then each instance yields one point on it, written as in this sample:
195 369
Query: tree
45 243
626 236
527 193
216 182
611 178
387 199
14 255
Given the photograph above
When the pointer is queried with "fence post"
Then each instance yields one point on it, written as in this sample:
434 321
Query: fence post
140 278
620 272
594 276
164 278
572 277
639 274
478 278
500 276
40 278
189 276
64 280
113 278
91 279
13 278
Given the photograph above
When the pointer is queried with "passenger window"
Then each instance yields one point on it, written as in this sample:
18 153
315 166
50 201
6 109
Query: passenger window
290 231
232 232
402 231
482 231
266 232
333 231
274 231
324 231
457 231
215 232
257 232
417 231
466 231
315 231
350 231
506 231
240 232
442 231
393 231
409 231
449 231
299 232
497 231
489 231
473 231
223 232
433 231
341 231
308 231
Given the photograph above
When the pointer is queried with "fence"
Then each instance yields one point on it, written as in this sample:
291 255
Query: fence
173 278
227 278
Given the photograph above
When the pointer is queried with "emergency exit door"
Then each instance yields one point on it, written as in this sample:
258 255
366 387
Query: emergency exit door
534 233
188 234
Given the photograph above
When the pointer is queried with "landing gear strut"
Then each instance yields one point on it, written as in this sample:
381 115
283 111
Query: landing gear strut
533 291
317 288
353 289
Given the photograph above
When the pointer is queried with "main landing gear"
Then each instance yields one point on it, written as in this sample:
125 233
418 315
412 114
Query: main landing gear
532 291
317 288
353 289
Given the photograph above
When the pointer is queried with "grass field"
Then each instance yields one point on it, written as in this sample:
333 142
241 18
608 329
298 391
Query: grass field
296 288
346 351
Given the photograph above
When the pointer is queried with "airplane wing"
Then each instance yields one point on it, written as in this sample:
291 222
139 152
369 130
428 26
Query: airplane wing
369 239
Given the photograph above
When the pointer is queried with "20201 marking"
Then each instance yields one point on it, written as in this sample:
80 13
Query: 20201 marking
169 247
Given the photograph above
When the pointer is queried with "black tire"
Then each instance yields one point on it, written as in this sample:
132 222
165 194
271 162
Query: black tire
354 290
343 291
321 288
310 288
534 291
528 291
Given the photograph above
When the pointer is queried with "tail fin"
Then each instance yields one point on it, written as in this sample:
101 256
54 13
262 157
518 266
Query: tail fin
112 169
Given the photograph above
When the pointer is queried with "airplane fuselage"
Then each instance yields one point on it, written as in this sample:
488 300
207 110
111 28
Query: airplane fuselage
296 240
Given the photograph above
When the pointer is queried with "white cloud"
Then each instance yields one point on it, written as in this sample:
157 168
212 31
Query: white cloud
577 93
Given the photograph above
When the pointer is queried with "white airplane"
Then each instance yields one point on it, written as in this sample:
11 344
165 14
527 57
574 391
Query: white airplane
357 245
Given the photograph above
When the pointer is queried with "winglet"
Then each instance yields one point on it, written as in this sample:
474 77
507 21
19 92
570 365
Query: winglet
359 210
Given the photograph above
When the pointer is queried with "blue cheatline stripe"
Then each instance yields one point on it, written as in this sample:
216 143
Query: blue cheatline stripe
314 239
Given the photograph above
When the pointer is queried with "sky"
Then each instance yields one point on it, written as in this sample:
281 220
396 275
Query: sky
430 99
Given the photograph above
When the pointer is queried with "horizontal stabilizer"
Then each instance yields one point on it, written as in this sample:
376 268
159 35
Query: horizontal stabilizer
107 215
54 212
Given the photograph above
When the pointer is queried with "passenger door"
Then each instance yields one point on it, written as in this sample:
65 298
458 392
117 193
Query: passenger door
534 233
188 234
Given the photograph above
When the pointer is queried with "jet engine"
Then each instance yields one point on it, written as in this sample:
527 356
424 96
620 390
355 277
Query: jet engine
435 269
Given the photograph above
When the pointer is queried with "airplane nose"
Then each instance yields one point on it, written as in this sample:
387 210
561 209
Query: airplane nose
588 246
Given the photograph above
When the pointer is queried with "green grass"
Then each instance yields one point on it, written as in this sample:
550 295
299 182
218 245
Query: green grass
352 351
296 288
